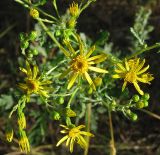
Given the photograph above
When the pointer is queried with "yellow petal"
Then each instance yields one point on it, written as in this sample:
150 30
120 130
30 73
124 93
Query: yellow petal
121 67
138 88
139 67
103 58
62 140
80 45
82 142
69 46
95 57
72 144
29 71
65 73
86 133
64 126
23 86
143 70
88 78
72 80
68 140
80 127
35 71
124 85
116 76
96 69
91 50
126 64
23 70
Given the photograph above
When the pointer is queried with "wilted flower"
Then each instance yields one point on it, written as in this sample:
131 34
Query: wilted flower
23 142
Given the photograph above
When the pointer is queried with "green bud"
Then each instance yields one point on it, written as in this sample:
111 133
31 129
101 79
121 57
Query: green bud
90 91
140 104
61 100
35 52
9 134
22 36
30 55
70 113
57 33
24 44
56 115
146 103
33 35
128 111
135 98
146 96
133 116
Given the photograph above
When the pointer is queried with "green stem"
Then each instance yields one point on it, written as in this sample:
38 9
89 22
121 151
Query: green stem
150 113
52 37
72 96
144 50
88 119
112 142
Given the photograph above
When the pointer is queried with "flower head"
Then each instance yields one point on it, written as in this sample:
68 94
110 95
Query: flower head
34 13
74 135
74 9
34 84
23 142
133 71
82 63
9 134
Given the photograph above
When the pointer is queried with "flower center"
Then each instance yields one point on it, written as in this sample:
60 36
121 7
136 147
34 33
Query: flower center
32 85
131 77
79 64
73 132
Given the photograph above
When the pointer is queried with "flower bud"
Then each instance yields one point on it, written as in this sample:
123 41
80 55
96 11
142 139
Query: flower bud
70 113
140 104
98 81
35 52
90 91
72 23
135 98
133 116
74 10
56 116
146 103
34 13
24 44
61 100
33 35
9 134
22 36
146 96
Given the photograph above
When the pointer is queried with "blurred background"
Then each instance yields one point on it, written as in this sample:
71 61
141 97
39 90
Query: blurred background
115 16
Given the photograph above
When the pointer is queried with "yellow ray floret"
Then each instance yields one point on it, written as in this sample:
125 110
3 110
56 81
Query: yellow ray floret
82 63
74 135
34 84
74 9
133 71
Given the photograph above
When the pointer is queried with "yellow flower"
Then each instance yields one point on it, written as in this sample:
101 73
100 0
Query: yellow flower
74 135
23 142
82 63
34 84
74 9
9 134
34 13
133 71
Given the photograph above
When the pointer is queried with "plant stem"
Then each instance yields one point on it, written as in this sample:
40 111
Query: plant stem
52 37
72 96
144 50
112 142
150 113
88 119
